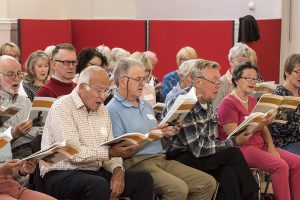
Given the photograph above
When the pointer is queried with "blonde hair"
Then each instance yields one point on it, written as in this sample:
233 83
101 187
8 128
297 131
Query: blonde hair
143 59
31 61
187 52
5 47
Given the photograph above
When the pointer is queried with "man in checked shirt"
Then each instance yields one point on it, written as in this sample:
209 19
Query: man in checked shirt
197 146
97 171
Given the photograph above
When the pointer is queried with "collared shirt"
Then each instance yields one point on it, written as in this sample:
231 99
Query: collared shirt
198 131
225 88
169 81
173 92
5 152
284 134
68 119
127 118
24 103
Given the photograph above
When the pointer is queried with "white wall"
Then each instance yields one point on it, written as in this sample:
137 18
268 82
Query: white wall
207 9
70 9
10 10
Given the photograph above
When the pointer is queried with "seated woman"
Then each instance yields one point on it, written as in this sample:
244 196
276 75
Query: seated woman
148 93
37 68
259 151
88 57
287 136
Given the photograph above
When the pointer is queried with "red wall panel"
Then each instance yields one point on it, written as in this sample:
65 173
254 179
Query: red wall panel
38 34
211 40
127 34
267 48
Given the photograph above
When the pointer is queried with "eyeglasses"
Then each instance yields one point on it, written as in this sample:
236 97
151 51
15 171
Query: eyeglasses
68 62
12 75
100 90
216 82
250 79
139 79
297 72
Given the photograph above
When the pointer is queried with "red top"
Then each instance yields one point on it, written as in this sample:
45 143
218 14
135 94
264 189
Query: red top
55 88
231 110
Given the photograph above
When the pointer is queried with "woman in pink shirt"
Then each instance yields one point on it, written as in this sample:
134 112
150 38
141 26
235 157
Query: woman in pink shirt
259 151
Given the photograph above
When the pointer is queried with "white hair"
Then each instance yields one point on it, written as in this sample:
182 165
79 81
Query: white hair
186 67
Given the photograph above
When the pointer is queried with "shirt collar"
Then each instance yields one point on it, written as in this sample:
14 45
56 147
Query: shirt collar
125 102
228 76
9 97
77 100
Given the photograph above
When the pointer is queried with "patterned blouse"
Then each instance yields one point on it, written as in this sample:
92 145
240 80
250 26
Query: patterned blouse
30 90
284 134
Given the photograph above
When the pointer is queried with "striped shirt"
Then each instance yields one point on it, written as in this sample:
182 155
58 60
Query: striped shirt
198 132
68 119
24 103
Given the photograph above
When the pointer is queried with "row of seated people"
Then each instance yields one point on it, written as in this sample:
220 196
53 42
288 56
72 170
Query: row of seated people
187 142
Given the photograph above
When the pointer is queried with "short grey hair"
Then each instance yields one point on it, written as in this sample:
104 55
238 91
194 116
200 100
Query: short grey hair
239 49
201 64
186 67
123 68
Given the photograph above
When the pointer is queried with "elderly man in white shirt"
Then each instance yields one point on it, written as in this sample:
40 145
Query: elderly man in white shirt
97 171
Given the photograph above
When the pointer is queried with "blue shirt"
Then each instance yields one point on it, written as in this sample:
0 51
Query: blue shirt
173 92
198 131
169 81
127 118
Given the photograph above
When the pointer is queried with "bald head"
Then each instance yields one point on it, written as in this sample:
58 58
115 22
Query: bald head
8 59
94 74
93 86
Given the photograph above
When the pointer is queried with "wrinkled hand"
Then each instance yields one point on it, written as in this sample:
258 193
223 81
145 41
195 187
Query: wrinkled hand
28 167
120 150
117 183
22 128
272 150
10 167
270 118
169 131
243 137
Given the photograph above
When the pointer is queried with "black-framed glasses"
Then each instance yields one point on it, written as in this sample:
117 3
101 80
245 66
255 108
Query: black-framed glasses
12 75
216 82
140 80
297 72
100 90
250 79
68 62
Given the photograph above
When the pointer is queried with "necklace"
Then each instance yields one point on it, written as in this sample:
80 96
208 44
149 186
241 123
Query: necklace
233 92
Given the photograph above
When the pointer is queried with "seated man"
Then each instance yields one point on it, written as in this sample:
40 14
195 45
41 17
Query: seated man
129 113
196 146
10 77
10 189
96 172
64 62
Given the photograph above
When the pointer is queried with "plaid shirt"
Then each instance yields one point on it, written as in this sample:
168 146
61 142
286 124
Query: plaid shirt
198 132
8 100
